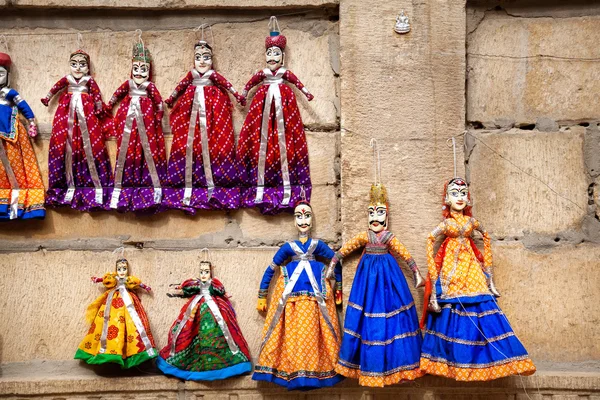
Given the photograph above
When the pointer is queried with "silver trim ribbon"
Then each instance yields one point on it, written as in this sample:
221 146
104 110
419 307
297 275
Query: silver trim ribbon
134 112
14 194
76 107
273 94
303 265
135 318
198 113
214 309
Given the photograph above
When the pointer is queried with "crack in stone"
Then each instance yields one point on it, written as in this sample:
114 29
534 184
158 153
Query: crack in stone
535 56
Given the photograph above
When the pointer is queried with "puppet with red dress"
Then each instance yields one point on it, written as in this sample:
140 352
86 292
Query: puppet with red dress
202 171
79 172
272 149
141 166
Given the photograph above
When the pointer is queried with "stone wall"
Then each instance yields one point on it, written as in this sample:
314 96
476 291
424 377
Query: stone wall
529 101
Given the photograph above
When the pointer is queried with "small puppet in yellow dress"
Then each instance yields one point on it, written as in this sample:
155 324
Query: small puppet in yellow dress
120 332
467 336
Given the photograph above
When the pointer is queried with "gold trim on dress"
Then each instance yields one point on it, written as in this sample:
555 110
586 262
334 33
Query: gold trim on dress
470 342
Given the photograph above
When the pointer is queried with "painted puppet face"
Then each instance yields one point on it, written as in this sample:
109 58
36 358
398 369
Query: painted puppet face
377 217
140 71
79 66
457 195
202 59
3 77
122 269
274 58
204 271
303 217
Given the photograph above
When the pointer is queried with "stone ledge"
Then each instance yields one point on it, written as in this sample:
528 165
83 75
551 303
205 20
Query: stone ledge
171 5
73 379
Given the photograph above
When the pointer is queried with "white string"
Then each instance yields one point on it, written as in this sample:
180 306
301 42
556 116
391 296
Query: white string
376 160
274 23
3 39
201 28
204 254
120 249
80 43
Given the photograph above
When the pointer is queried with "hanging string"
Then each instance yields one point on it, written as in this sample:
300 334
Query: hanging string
204 255
80 43
274 24
5 42
200 29
520 169
376 160
121 250
454 154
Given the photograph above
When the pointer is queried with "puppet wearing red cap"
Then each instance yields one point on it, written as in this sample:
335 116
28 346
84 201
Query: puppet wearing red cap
272 148
21 187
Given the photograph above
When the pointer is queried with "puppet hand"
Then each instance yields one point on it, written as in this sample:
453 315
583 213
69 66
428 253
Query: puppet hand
330 273
240 99
94 279
170 101
146 288
159 116
32 131
433 305
419 281
45 101
309 96
492 287
261 305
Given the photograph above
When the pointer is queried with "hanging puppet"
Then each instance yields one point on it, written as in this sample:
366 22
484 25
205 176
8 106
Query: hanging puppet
79 171
382 339
272 149
21 186
120 332
202 172
205 341
467 337
301 336
141 166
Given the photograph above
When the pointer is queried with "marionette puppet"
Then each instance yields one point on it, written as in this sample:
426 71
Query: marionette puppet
120 331
21 186
467 336
205 341
141 166
272 149
203 172
301 336
382 340
79 171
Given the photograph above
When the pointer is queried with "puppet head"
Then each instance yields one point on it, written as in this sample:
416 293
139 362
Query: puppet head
122 268
303 217
378 208
205 271
79 61
202 56
456 197
5 63
275 46
141 64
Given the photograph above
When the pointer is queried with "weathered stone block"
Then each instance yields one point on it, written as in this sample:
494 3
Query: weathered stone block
543 295
525 68
509 201
60 290
238 48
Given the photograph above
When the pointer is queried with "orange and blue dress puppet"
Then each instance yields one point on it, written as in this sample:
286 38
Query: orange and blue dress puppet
119 331
79 171
272 149
467 336
141 167
205 341
203 172
382 339
21 186
301 335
